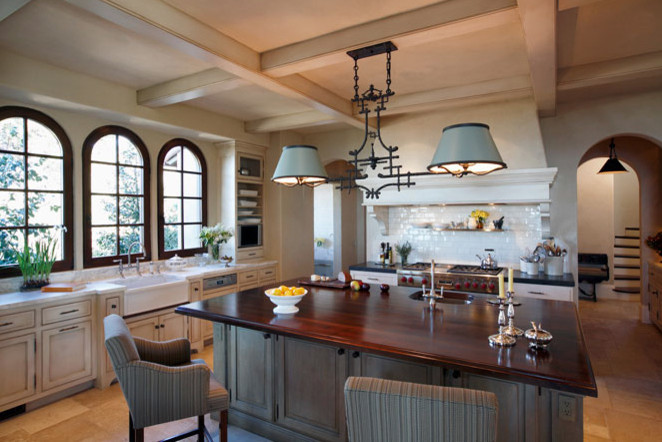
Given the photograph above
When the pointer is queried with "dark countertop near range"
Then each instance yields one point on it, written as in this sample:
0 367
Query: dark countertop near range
567 280
392 324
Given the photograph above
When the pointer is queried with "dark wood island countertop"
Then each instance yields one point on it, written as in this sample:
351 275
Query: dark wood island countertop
392 324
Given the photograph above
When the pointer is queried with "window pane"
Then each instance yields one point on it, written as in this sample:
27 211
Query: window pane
104 210
129 153
44 173
42 140
131 210
11 134
173 237
104 241
172 184
45 209
12 209
131 180
192 185
128 236
105 150
10 241
191 162
192 211
44 235
171 210
173 159
192 236
103 178
12 171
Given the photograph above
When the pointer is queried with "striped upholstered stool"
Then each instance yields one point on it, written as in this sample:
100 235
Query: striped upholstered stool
391 411
161 383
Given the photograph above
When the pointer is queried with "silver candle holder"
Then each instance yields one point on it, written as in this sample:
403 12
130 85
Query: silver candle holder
501 339
510 329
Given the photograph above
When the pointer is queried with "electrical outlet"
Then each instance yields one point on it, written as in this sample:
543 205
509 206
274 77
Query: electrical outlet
567 408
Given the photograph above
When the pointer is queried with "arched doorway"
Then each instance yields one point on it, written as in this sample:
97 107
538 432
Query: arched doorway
645 159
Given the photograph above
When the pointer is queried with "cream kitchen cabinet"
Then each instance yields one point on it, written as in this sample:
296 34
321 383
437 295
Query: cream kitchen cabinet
17 365
159 326
375 277
543 291
66 354
108 304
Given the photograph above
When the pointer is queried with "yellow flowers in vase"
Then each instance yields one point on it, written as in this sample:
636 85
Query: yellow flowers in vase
480 216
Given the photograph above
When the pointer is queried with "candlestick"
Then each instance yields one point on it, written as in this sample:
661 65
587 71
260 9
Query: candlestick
510 279
510 329
501 339
502 292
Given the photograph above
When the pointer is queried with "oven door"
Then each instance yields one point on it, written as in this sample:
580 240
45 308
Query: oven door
250 235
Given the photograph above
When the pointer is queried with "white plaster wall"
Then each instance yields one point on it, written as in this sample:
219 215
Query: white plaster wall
626 200
323 214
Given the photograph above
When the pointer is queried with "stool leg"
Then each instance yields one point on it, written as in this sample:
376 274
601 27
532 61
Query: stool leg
201 428
132 431
223 426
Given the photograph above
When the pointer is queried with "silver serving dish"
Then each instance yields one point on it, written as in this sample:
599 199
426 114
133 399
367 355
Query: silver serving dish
537 337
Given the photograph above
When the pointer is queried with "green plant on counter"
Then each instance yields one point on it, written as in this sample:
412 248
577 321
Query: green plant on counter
403 250
36 265
319 242
214 236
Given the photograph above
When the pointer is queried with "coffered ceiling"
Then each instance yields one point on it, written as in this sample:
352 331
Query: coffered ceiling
283 65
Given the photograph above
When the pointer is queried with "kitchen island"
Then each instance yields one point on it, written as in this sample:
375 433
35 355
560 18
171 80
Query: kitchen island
286 374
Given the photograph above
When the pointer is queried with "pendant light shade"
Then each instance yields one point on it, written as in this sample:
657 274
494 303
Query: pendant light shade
466 148
299 165
612 165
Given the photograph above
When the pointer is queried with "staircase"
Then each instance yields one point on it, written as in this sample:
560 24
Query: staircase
627 261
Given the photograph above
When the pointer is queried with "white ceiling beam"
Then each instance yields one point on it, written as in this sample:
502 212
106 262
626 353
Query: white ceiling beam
476 93
287 122
440 20
539 24
8 7
613 71
209 82
569 4
166 24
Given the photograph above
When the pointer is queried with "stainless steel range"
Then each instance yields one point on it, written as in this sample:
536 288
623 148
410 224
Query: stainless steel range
464 278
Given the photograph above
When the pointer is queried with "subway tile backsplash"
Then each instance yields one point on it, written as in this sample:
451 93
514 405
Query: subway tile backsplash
423 227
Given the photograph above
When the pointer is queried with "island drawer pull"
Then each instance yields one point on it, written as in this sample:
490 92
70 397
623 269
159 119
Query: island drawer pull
537 293
456 374
69 312
356 354
341 351
267 336
73 327
5 324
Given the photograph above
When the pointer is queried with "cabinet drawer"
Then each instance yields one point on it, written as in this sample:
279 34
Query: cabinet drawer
247 277
16 321
268 273
243 255
65 312
375 277
539 291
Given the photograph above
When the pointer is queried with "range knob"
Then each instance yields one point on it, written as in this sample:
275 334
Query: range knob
492 286
483 286
410 280
458 286
474 285
424 281
467 285
403 279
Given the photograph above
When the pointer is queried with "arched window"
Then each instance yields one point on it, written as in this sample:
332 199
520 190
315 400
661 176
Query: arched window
182 196
36 187
115 196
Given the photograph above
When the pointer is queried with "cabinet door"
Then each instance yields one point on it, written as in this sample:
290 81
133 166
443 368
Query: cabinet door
147 328
172 326
66 354
375 366
250 375
195 324
17 366
311 378
112 307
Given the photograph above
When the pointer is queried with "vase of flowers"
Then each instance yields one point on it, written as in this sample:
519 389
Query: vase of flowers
213 237
480 216
36 264
655 243
403 250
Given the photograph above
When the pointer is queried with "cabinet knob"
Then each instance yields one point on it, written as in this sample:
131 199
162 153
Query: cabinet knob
113 306
162 325
267 336
156 326
341 351
356 354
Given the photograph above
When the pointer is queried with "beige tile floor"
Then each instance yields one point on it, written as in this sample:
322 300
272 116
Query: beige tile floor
626 357
627 362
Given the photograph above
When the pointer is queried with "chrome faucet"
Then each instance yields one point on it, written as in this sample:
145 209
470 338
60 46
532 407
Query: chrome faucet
432 296
121 266
138 259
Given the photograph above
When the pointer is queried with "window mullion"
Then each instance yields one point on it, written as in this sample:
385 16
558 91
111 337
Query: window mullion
181 198
117 196
25 181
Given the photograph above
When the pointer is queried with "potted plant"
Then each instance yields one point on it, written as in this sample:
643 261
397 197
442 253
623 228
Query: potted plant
480 216
213 237
403 250
655 243
36 265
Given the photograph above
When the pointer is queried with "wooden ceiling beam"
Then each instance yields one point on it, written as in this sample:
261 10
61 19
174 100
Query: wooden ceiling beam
8 7
539 24
440 20
287 122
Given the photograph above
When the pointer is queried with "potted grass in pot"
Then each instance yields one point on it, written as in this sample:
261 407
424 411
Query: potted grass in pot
36 265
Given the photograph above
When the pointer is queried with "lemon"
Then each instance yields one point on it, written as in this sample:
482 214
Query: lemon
288 293
277 292
299 291
283 288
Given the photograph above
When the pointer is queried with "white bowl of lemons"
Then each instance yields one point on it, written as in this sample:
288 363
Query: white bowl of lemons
286 298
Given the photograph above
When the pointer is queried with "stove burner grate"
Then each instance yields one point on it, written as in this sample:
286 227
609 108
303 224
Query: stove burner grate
474 270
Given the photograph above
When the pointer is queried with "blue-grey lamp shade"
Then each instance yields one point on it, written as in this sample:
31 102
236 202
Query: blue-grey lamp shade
466 148
299 165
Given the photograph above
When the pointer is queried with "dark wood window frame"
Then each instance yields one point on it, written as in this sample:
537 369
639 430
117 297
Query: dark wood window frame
88 145
67 263
163 254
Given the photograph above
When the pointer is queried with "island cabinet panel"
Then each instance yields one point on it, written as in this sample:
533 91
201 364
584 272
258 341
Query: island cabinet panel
375 366
310 382
66 354
251 372
17 365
